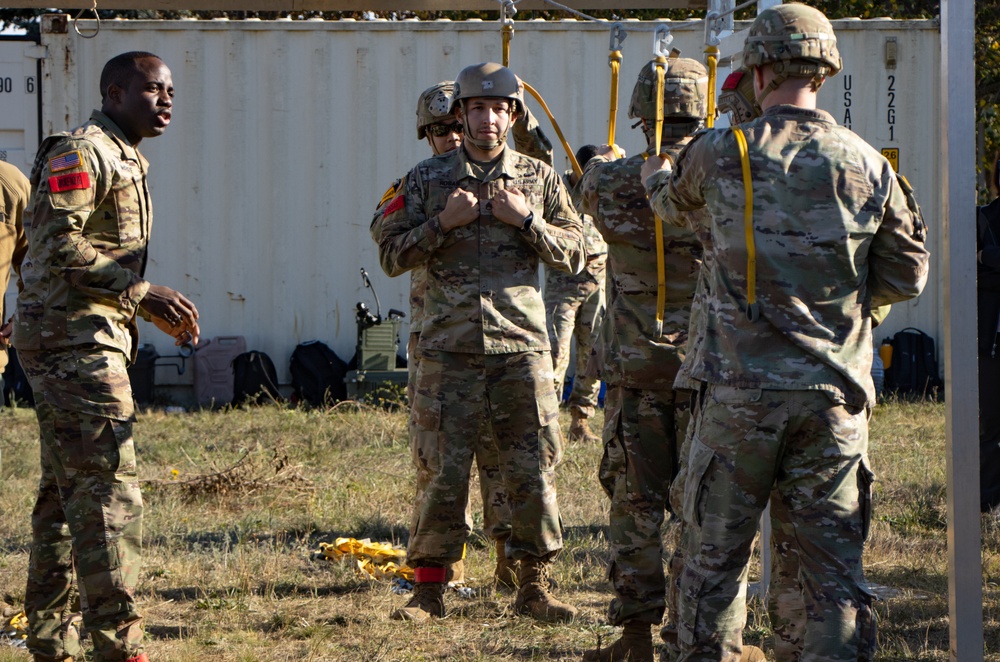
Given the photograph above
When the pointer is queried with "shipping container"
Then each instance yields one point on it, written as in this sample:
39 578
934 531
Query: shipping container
285 134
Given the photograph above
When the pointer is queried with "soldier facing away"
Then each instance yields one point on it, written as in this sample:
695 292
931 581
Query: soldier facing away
479 219
14 192
785 347
645 332
88 224
574 307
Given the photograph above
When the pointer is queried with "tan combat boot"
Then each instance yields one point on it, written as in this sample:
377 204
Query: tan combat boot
635 645
579 429
505 574
533 597
456 572
752 654
428 596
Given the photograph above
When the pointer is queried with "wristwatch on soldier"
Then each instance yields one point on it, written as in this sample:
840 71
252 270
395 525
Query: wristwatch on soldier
526 225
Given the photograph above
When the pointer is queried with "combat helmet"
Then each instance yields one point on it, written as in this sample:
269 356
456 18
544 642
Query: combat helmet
433 106
737 97
797 39
685 91
488 79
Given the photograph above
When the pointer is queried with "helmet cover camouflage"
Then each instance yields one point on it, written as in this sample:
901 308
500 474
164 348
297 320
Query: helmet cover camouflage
794 33
685 91
433 106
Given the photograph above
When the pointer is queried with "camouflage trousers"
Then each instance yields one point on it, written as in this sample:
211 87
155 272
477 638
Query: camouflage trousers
812 453
457 397
87 520
578 315
641 431
496 512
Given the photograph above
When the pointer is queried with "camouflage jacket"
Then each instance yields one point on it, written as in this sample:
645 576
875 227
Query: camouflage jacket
637 354
529 139
834 237
14 192
88 224
560 284
482 279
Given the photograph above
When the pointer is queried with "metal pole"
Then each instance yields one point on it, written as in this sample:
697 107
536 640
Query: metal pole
958 214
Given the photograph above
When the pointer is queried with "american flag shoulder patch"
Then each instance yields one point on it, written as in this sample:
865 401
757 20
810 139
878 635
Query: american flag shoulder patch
65 161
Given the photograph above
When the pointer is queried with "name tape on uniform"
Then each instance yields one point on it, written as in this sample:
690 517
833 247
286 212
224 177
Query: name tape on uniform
69 182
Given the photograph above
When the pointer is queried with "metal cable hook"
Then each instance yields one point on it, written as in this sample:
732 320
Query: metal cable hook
662 40
618 37
76 21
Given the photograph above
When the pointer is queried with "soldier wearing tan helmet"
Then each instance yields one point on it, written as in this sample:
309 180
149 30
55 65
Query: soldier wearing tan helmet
796 261
645 415
478 220
437 125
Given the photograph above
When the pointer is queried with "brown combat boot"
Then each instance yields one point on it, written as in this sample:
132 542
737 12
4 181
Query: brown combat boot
579 429
505 574
428 596
752 654
635 645
533 597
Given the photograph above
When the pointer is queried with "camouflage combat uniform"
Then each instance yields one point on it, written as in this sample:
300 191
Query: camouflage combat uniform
574 307
483 350
645 416
14 192
788 394
88 224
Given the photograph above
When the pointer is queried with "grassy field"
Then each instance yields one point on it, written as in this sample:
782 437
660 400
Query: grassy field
231 570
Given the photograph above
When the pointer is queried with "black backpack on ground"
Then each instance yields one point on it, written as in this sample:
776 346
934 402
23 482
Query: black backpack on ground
255 381
914 366
318 374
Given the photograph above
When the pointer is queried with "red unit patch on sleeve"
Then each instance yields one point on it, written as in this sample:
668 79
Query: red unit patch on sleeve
69 182
397 203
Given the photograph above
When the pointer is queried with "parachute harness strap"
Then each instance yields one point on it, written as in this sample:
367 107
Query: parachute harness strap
753 309
618 36
577 170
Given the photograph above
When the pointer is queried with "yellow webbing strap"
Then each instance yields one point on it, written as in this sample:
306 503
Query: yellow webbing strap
508 34
713 65
752 309
577 170
615 62
661 275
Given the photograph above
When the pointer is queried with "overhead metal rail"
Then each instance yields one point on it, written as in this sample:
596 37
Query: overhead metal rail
355 5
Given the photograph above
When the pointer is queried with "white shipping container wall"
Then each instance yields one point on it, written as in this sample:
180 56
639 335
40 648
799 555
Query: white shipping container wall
285 135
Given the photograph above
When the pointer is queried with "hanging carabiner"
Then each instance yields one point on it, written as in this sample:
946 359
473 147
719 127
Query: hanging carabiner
662 40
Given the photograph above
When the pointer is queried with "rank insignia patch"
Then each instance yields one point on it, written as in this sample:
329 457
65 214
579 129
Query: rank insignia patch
69 182
65 161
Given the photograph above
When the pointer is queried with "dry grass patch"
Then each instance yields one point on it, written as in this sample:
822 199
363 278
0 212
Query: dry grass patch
238 502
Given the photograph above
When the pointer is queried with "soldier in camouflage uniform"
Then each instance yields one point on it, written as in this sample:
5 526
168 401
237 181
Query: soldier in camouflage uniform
437 124
14 192
786 348
574 306
479 219
645 415
88 224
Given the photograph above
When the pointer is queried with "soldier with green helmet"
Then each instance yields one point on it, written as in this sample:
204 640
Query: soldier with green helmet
646 413
478 219
794 268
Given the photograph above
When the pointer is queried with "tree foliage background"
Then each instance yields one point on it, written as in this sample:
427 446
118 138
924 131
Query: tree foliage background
987 46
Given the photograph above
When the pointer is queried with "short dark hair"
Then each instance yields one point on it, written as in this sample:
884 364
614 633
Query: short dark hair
585 153
119 70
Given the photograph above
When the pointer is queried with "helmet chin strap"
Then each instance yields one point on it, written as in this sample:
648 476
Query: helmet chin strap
485 145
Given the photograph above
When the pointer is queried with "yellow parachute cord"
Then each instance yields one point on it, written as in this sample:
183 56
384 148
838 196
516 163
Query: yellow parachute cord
661 279
555 125
752 309
615 62
508 34
712 53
